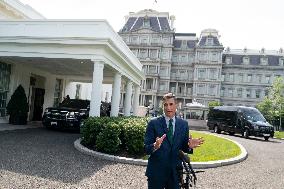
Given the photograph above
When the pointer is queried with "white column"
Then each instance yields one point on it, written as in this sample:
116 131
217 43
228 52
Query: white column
127 100
97 88
136 99
115 95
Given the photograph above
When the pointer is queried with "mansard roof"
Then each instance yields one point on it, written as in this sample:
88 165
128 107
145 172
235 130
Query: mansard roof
237 59
190 39
158 24
203 39
190 43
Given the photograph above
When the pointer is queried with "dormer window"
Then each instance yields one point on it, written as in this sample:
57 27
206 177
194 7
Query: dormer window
281 61
246 60
209 41
184 44
146 22
263 60
228 60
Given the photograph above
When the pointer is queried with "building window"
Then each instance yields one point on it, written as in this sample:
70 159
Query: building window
152 69
240 93
183 58
165 54
223 77
241 78
162 86
153 54
214 56
263 60
201 89
201 73
258 78
230 92
155 40
175 58
209 41
249 78
245 60
135 52
213 74
5 72
184 44
163 71
183 74
222 92
166 40
231 77
248 93
281 62
149 84
267 79
134 39
266 92
212 90
228 60
144 40
143 53
146 22
257 93
202 56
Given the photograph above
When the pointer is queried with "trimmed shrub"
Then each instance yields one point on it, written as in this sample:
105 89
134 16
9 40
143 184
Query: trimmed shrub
91 129
108 140
134 133
113 134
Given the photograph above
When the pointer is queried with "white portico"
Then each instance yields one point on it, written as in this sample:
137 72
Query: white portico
70 50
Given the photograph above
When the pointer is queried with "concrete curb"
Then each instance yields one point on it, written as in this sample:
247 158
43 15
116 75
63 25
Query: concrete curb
195 165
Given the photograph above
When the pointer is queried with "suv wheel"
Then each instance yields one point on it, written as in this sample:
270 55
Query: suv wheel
246 133
266 138
216 129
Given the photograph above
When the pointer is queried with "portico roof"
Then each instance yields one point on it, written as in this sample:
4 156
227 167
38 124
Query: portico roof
68 47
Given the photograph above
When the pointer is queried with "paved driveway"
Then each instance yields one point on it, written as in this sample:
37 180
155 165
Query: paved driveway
40 158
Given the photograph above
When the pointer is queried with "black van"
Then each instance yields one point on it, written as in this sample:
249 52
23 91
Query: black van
247 121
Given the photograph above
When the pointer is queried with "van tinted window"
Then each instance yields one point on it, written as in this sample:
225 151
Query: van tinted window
253 115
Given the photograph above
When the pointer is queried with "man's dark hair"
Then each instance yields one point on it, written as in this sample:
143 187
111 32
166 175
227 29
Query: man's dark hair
169 96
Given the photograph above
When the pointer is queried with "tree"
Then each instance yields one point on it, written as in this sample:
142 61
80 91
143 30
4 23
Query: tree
272 105
212 104
18 107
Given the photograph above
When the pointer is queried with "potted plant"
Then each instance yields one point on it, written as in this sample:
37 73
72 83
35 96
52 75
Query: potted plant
18 107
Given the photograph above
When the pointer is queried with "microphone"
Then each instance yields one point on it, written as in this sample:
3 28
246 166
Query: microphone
187 167
184 157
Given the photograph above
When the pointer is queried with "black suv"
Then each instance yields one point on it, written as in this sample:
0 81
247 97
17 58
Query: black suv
70 113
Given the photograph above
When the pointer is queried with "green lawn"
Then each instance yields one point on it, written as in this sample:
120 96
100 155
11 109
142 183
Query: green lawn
214 148
279 134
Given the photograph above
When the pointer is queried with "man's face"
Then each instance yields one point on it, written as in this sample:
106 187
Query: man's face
170 107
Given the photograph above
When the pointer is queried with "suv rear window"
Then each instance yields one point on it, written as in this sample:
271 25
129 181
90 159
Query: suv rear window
75 103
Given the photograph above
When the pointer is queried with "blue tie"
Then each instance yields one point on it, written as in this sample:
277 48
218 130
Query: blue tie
170 133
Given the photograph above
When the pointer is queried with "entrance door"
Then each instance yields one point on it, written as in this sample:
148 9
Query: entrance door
38 104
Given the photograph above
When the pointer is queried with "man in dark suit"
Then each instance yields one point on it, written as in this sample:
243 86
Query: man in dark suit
165 136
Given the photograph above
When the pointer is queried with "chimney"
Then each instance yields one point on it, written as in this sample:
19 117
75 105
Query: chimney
172 18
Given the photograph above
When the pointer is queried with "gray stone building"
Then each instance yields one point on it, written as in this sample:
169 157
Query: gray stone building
196 67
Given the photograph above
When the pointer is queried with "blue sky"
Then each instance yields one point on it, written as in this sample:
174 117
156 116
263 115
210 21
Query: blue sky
241 23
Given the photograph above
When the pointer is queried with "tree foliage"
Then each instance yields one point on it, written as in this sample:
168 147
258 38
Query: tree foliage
272 105
212 104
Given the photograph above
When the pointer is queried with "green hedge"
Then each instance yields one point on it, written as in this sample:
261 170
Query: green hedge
114 134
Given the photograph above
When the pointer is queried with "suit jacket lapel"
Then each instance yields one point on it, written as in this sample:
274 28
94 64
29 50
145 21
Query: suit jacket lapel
164 124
